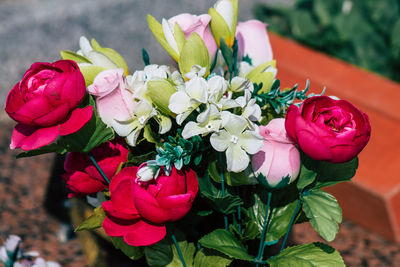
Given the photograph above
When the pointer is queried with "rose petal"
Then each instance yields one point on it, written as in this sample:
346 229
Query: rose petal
176 206
79 117
29 138
54 116
145 234
147 205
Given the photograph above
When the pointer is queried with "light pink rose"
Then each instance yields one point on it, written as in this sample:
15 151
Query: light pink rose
253 41
113 99
279 156
198 24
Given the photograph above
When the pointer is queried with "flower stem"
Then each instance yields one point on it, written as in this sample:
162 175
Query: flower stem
296 210
239 213
98 168
221 169
264 230
176 245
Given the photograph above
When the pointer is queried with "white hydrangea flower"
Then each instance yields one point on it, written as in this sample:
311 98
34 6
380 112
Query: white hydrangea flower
236 141
250 109
240 84
131 128
208 121
185 101
196 71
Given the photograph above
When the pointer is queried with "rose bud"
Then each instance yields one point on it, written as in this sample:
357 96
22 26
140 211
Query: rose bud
279 157
44 103
253 41
328 129
82 177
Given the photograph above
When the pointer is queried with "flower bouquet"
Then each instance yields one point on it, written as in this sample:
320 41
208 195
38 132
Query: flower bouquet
207 162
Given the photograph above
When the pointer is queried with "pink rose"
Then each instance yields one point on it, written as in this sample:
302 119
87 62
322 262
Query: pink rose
113 99
82 177
137 212
327 129
253 41
279 157
198 24
44 104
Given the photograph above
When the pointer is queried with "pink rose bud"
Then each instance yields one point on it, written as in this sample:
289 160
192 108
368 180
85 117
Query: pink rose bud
44 103
279 157
253 41
199 24
328 129
113 98
82 177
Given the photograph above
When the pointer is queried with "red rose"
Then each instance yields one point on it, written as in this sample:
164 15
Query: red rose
138 212
82 177
327 129
44 104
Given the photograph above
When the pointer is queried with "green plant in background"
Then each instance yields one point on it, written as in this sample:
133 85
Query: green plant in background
363 32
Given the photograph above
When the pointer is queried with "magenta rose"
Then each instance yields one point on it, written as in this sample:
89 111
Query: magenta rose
138 212
198 24
82 177
44 103
253 41
279 157
327 129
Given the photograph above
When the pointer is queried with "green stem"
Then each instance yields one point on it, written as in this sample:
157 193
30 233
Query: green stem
221 169
239 213
98 168
176 245
296 210
264 230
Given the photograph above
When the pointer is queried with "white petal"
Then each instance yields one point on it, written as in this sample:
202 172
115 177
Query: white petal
225 9
85 46
132 137
236 158
220 141
204 116
241 100
191 129
181 117
169 35
124 128
251 142
239 84
165 124
196 88
101 60
236 125
179 102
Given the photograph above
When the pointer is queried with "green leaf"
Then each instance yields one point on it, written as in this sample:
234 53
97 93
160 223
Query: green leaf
74 56
224 204
194 52
93 221
159 254
160 92
56 148
187 249
227 54
306 177
224 242
134 253
151 136
207 257
324 213
93 134
309 255
333 173
280 218
113 55
231 178
219 28
90 73
137 160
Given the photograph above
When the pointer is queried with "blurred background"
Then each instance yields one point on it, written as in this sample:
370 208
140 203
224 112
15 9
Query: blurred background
32 198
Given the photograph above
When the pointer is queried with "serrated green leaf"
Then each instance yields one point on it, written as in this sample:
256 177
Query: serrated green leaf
134 253
113 55
56 148
309 255
159 254
93 221
74 56
207 257
187 249
324 213
306 177
224 242
93 134
194 52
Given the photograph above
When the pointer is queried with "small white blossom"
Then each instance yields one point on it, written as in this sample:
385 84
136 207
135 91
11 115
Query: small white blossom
208 121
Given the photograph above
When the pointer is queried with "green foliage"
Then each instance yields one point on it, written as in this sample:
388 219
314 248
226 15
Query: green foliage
231 178
93 221
324 213
224 204
208 257
224 242
362 32
309 255
57 148
187 249
134 253
159 254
